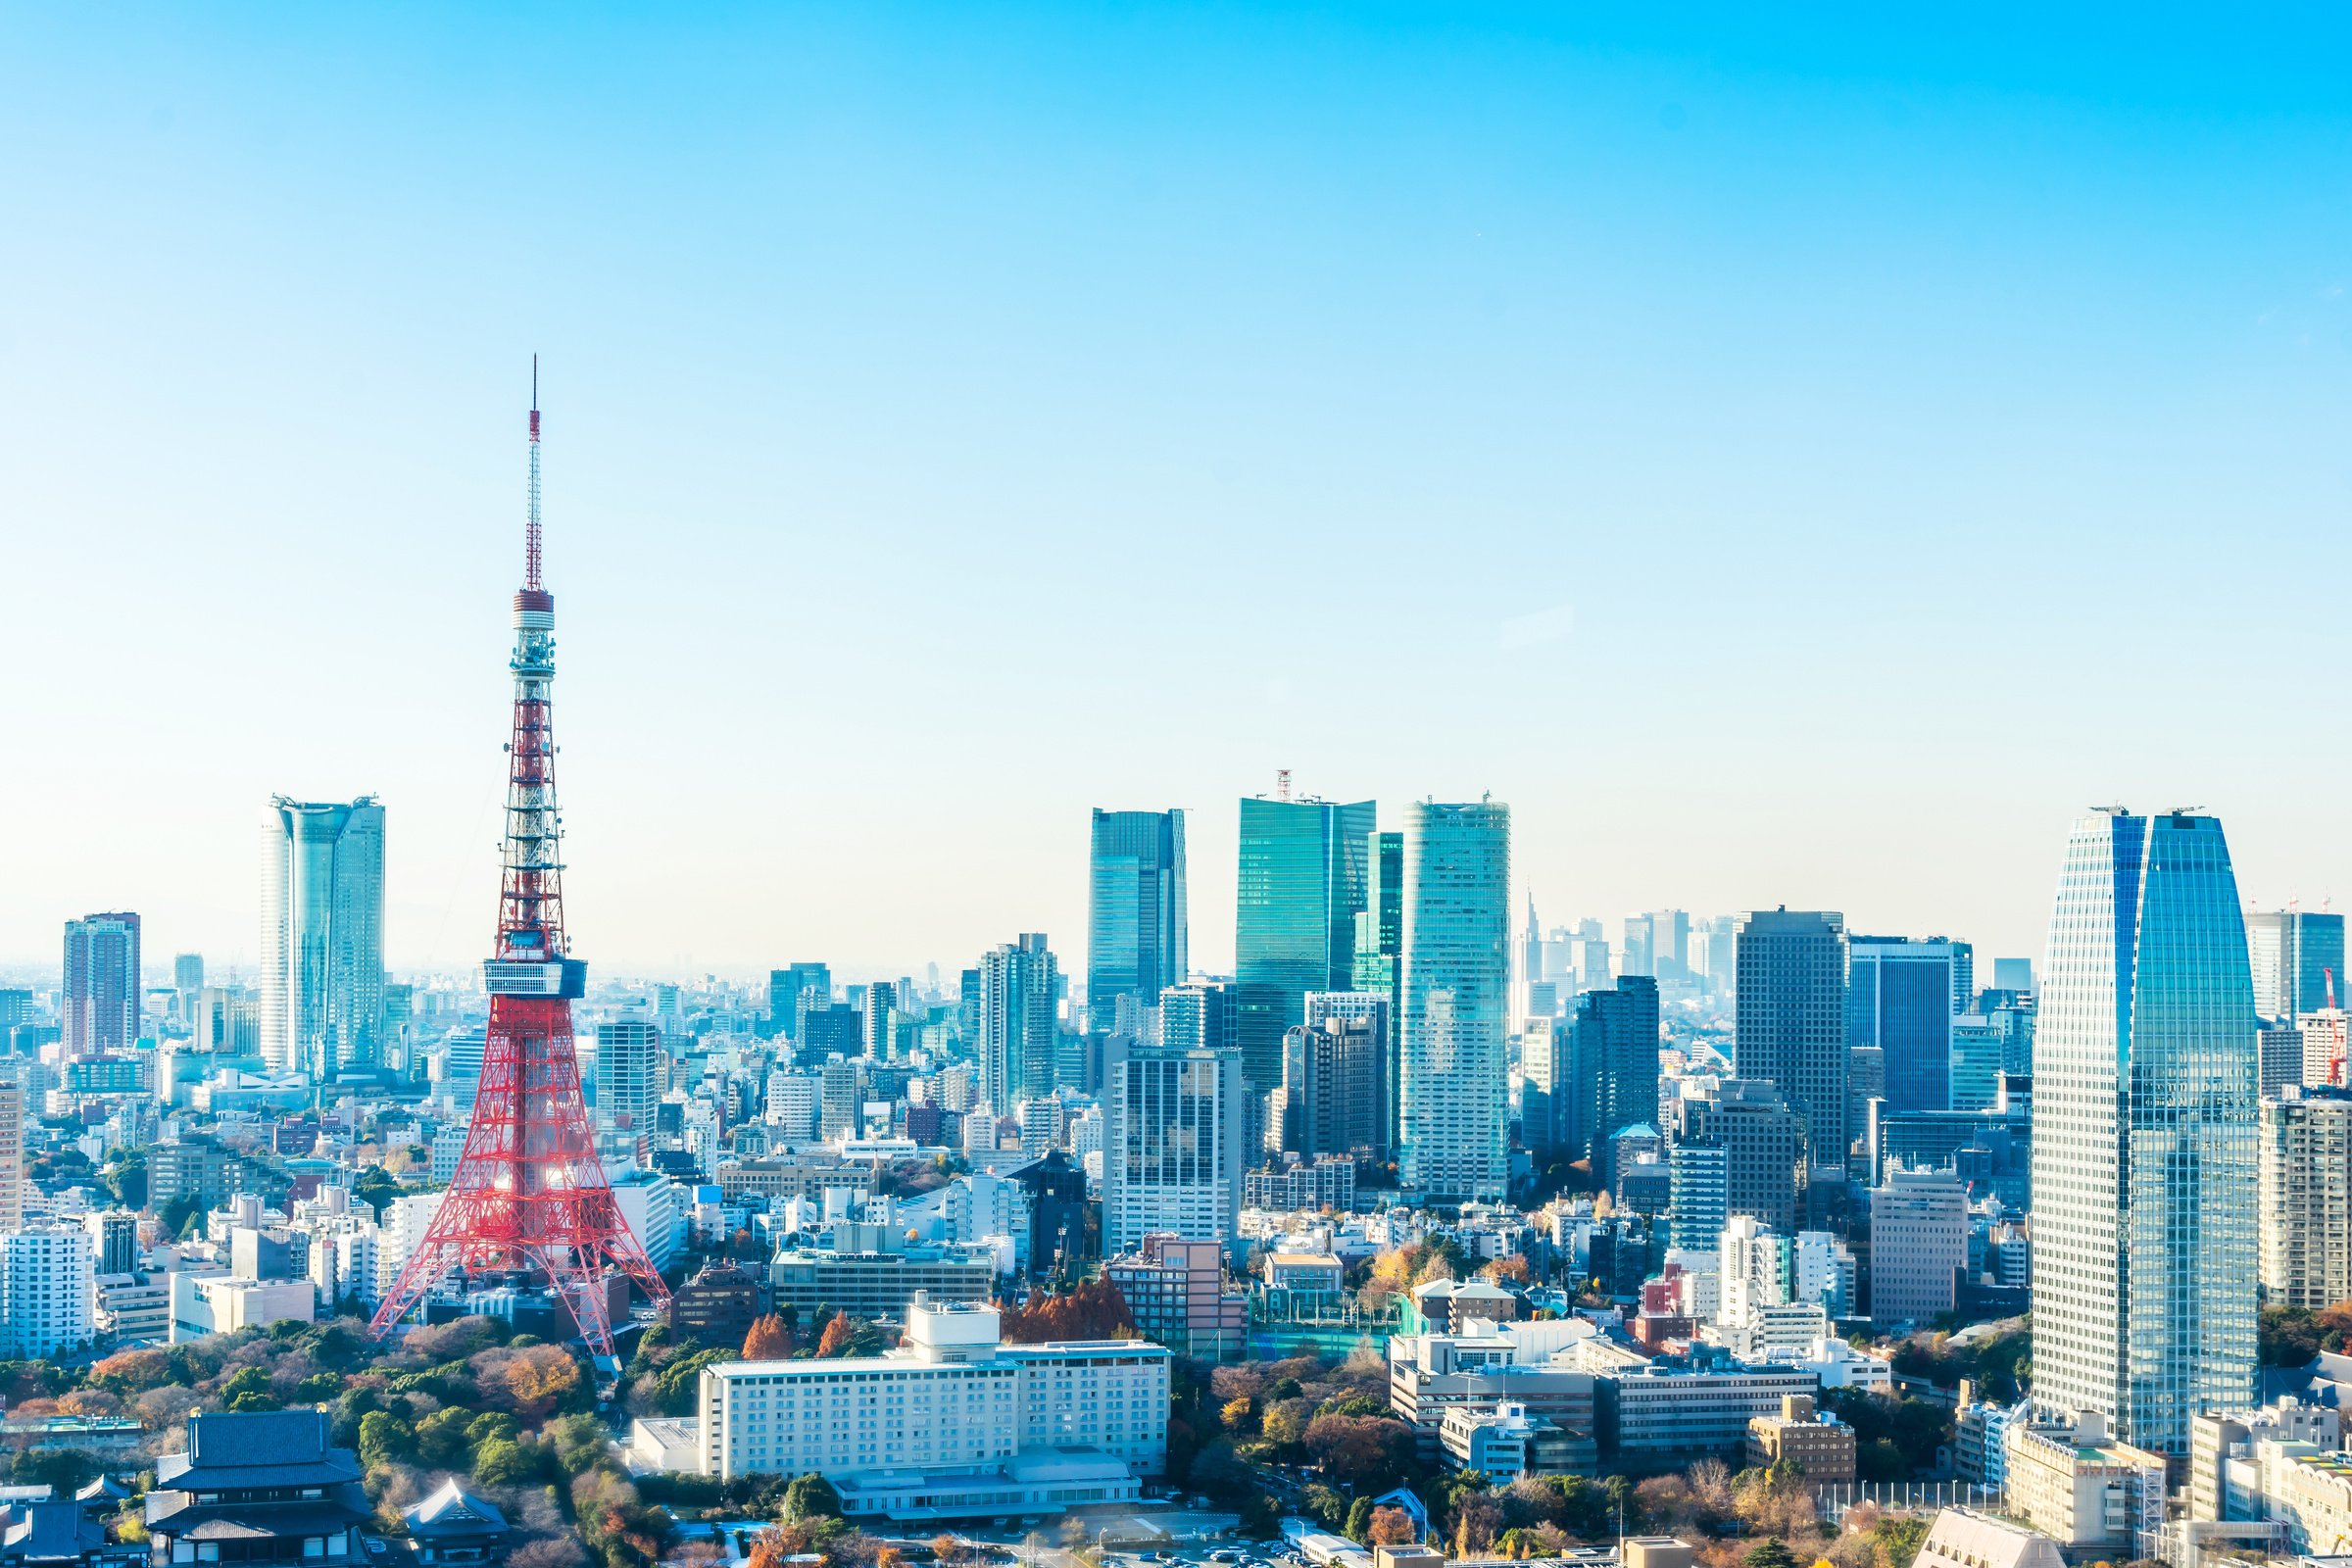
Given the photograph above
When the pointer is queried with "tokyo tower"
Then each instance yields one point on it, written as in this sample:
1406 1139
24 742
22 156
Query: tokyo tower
529 1194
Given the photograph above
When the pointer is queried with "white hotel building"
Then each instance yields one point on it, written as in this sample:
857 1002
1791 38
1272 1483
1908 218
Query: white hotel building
954 1423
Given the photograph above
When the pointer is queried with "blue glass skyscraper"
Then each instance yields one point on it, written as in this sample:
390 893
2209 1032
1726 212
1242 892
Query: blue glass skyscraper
2146 1132
1455 1089
1301 886
1135 928
1899 999
322 935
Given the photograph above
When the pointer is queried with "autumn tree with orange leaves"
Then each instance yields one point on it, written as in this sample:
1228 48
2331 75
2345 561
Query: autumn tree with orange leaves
769 1340
1094 1310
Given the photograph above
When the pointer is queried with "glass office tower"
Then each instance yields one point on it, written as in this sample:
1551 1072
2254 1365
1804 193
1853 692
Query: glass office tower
2297 956
1899 998
1789 1020
1300 890
2146 1132
1135 927
1453 1086
322 935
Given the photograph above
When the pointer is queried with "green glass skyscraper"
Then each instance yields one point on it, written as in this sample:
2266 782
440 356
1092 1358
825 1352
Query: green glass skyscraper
1301 885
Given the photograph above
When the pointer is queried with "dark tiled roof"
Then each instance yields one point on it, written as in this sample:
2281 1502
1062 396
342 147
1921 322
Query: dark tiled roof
177 1513
272 1437
260 1521
261 1448
54 1532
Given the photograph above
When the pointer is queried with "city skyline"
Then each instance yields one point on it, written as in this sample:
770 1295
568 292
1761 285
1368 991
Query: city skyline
1758 359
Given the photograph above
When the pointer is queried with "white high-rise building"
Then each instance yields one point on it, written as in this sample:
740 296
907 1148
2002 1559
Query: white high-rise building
1018 1022
792 1104
322 935
48 1291
1174 1129
12 1156
629 1073
2306 1184
1453 1090
2144 1133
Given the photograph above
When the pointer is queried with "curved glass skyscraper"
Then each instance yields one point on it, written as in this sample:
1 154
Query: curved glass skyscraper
2145 1132
322 935
1453 1088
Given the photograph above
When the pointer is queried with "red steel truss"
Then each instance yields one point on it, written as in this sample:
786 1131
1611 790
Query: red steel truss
530 1193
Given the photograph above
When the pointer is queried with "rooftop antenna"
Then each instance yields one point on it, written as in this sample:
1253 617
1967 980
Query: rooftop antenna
530 538
1282 783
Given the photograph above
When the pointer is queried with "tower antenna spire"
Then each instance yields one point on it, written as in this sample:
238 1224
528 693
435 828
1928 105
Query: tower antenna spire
530 537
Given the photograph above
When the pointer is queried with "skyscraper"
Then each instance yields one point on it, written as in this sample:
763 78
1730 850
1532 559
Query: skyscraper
2294 954
1453 1089
1789 1020
1899 999
1173 1154
1019 987
1379 964
101 998
788 986
1333 1067
322 935
1135 927
629 1073
12 1156
2146 1132
1198 1016
1616 1056
1301 886
2306 1186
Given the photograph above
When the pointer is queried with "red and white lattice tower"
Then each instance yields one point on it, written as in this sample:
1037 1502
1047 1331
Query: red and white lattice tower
530 1193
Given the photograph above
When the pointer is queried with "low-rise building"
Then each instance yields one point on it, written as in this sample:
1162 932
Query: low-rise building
1962 1537
454 1529
716 1306
879 1284
1175 1291
933 1426
1533 1366
1445 1306
1668 1412
268 1486
2223 1481
215 1303
1507 1443
2070 1479
1818 1444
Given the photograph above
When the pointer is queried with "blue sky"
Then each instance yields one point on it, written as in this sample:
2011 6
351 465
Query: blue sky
1793 459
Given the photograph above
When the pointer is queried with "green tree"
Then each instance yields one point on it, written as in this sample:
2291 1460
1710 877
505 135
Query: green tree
1770 1552
1895 1539
810 1496
386 1439
248 1390
579 1442
442 1441
492 1426
504 1462
1358 1528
